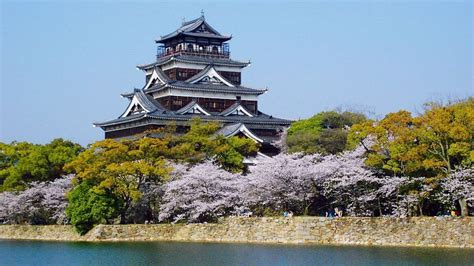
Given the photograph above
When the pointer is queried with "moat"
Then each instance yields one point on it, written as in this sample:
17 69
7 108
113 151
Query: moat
15 252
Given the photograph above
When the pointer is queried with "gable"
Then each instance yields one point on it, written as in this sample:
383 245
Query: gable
237 109
203 29
210 76
155 79
193 108
135 107
240 130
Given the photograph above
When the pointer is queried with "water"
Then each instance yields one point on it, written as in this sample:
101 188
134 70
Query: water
174 253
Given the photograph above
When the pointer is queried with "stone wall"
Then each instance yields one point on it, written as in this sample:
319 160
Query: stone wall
417 231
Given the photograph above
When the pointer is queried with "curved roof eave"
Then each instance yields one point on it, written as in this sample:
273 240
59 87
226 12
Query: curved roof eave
177 117
182 59
188 27
188 88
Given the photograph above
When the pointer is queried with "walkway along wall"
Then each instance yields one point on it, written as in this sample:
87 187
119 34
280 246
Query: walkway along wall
417 231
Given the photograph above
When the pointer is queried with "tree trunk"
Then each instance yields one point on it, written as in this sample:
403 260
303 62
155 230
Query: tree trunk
380 207
306 209
464 210
123 218
123 213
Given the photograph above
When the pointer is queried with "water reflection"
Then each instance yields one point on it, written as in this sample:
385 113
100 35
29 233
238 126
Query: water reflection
174 253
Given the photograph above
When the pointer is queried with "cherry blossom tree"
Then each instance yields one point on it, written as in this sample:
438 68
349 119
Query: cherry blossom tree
148 206
281 183
296 182
203 193
458 186
347 182
280 142
8 206
41 203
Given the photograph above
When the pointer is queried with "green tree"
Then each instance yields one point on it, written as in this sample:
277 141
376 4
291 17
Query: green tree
325 132
22 163
120 168
446 135
201 142
87 208
432 144
116 171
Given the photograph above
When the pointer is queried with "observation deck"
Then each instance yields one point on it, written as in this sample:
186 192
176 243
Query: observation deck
212 51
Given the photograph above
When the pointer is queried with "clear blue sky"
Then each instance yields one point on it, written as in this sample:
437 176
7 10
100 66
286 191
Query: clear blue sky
63 66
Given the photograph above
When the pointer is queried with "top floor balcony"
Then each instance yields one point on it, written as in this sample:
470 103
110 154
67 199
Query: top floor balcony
214 51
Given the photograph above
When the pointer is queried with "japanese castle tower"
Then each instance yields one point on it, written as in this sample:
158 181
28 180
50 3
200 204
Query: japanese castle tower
193 75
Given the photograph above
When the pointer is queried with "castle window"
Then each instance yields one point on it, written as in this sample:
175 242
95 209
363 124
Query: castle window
177 102
190 47
183 74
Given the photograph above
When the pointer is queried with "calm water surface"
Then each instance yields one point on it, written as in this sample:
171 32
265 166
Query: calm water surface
173 253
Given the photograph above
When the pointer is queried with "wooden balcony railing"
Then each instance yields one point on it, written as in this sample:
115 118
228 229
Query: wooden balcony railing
161 54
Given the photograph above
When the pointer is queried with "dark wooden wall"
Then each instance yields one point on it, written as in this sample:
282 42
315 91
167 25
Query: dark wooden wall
129 131
186 73
213 105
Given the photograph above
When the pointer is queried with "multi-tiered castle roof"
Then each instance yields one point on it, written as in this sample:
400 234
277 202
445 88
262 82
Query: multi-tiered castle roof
193 75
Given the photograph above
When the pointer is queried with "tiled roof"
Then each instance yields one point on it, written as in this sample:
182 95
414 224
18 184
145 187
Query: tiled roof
209 70
195 59
200 74
161 75
189 29
150 103
234 129
228 129
192 106
232 108
161 79
145 100
155 109
206 87
261 118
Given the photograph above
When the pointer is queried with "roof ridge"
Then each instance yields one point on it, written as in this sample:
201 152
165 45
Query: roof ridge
190 27
190 21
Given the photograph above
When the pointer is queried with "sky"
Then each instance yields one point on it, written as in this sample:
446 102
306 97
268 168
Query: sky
65 64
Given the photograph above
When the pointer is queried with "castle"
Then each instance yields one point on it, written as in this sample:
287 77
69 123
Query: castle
193 75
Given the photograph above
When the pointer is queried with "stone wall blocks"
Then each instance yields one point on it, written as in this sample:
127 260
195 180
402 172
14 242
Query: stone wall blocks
416 231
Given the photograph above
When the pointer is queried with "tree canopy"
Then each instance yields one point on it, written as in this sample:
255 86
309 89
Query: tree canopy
431 144
201 143
87 208
116 171
401 165
22 163
324 133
